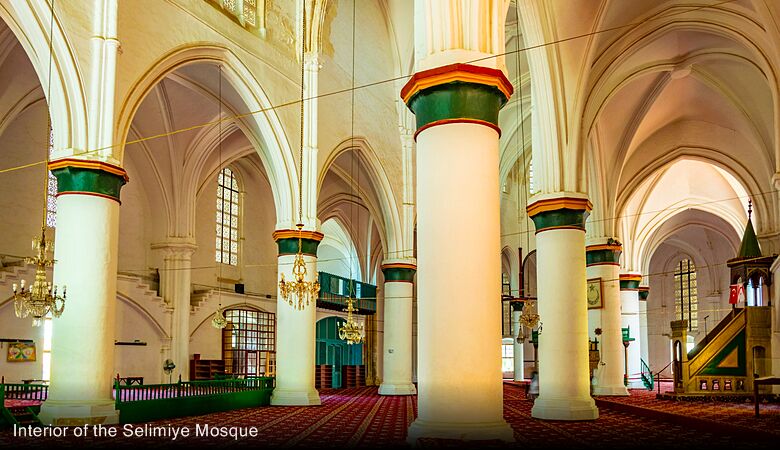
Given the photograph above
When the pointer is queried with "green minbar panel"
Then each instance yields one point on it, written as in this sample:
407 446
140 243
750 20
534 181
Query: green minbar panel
730 360
93 181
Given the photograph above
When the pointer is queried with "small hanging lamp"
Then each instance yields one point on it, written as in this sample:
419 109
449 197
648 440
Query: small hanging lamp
218 321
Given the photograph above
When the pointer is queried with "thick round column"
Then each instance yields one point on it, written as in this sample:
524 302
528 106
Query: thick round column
82 364
644 292
397 358
629 299
517 346
460 390
564 383
603 270
296 328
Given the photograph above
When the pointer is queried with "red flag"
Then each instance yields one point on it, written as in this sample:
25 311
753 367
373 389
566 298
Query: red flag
736 293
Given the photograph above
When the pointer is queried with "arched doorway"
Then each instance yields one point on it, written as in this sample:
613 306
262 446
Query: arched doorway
334 352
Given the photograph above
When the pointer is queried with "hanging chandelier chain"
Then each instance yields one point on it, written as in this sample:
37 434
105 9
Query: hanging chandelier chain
351 331
298 292
303 78
48 122
219 321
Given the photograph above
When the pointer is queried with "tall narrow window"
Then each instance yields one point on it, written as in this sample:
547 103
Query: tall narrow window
227 218
51 191
531 187
686 295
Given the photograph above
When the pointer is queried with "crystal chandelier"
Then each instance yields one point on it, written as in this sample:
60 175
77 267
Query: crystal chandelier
527 318
299 293
41 298
351 331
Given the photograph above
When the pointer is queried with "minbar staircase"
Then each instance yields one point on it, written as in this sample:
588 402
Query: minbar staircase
725 361
21 417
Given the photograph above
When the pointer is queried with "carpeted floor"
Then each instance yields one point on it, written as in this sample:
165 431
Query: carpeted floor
736 414
361 418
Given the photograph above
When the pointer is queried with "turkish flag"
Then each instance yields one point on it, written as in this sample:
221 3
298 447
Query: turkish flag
736 293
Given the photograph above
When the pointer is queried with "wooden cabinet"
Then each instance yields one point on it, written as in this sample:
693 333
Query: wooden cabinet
353 376
206 369
323 376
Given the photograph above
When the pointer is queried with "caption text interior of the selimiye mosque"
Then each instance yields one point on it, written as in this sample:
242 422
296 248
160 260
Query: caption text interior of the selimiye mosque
390 223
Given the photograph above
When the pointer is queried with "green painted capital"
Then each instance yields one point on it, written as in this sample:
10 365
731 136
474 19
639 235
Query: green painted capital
289 246
599 256
399 273
629 284
644 292
88 181
560 218
517 306
457 102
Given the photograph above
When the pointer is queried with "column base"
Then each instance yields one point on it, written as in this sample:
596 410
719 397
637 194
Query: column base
457 430
397 389
636 385
62 413
565 409
619 390
295 398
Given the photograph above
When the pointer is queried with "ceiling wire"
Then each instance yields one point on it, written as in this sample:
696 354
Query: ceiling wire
376 83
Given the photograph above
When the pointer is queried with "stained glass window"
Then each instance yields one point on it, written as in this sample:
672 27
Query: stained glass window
686 298
227 218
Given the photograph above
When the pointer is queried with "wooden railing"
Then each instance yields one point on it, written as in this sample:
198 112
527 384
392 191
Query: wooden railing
26 391
188 398
334 291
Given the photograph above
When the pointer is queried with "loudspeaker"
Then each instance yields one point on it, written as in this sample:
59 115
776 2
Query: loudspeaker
239 288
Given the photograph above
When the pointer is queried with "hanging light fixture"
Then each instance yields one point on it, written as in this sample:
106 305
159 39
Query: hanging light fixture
41 299
218 321
299 293
528 319
351 331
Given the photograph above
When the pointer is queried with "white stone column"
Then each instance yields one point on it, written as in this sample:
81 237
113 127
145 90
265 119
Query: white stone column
295 357
629 299
397 356
82 364
175 284
86 250
517 345
603 263
458 239
456 105
564 383
643 339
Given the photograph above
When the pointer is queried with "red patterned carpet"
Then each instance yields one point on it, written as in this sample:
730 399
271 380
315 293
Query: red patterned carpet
363 419
738 415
